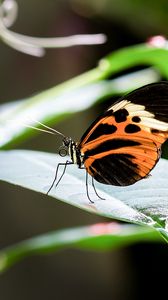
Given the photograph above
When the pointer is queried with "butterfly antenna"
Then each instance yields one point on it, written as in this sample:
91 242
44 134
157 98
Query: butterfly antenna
47 127
39 129
50 130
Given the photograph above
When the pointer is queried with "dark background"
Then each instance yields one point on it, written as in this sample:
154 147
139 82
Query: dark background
136 272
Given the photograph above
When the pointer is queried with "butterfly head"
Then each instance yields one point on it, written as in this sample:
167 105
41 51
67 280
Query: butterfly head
66 141
70 147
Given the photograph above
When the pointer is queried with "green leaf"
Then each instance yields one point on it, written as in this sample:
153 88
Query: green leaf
57 103
142 54
100 237
143 203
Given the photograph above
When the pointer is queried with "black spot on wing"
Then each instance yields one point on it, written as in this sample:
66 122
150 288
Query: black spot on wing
121 115
102 129
155 130
115 169
136 119
108 145
132 128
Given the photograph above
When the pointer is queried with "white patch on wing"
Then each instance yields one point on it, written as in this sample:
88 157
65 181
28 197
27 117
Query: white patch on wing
137 110
147 118
118 105
154 123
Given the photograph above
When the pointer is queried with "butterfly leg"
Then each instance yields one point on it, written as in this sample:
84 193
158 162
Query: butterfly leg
56 173
87 189
93 185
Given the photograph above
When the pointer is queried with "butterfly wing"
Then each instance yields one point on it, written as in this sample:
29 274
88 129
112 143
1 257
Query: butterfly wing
123 145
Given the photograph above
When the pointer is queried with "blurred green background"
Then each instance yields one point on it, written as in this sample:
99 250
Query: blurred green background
131 273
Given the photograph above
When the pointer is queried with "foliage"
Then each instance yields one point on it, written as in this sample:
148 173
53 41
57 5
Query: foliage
144 203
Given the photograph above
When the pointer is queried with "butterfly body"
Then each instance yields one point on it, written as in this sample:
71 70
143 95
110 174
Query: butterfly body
74 151
124 144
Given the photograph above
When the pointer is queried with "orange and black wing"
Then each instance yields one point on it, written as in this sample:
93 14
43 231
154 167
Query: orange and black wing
123 145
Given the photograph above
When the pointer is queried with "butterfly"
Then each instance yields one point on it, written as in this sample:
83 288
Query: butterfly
123 144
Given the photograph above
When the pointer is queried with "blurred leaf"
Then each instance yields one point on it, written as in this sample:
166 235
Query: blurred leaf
81 92
105 236
144 203
57 103
143 54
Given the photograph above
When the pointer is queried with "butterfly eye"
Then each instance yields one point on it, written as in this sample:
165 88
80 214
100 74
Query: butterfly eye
66 141
63 151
